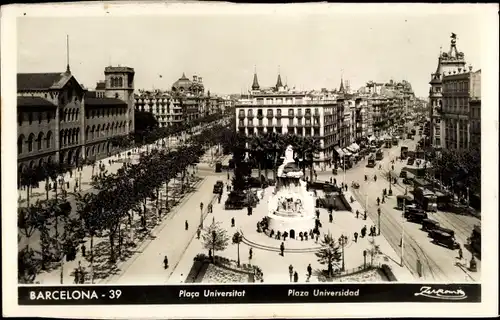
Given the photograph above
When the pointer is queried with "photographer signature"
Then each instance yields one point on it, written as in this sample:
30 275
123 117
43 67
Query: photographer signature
441 294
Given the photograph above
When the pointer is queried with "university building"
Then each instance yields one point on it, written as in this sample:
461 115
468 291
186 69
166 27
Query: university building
58 120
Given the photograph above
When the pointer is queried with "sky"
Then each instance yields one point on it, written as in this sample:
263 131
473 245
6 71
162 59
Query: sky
311 51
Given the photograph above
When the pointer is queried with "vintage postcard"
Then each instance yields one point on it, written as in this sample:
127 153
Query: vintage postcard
247 161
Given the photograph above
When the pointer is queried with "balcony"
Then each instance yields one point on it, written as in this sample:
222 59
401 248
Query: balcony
250 125
260 116
299 116
241 116
308 125
278 116
291 127
250 116
260 125
308 116
316 125
270 116
299 125
291 115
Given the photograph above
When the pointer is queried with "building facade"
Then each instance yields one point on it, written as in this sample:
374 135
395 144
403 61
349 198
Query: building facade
461 110
450 61
282 110
185 102
60 121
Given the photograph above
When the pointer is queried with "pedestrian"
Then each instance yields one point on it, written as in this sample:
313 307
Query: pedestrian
363 231
331 180
201 206
378 201
317 237
210 208
334 181
250 254
309 270
374 230
357 214
83 250
317 214
295 277
282 249
228 176
330 217
460 254
198 233
165 262
186 225
232 222
220 196
305 235
355 237
346 187
364 215
290 272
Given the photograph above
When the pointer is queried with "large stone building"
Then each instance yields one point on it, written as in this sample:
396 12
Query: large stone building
185 102
283 110
461 110
450 61
61 121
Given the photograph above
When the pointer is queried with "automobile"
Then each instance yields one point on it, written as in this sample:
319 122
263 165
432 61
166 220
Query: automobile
444 238
218 187
406 200
218 167
407 180
429 224
410 161
415 215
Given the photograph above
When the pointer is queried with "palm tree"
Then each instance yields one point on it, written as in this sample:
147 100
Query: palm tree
28 178
256 148
237 238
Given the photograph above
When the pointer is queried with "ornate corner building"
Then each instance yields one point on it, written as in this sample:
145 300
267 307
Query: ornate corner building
58 120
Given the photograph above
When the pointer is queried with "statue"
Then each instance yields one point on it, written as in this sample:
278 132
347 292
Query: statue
289 155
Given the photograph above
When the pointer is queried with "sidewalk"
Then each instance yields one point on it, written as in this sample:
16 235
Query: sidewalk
171 240
53 276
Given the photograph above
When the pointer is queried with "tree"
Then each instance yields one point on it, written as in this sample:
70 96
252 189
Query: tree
329 253
237 238
215 238
89 213
29 177
26 266
29 219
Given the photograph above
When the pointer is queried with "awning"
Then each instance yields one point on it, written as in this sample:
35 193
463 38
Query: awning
347 153
356 146
339 151
371 138
350 149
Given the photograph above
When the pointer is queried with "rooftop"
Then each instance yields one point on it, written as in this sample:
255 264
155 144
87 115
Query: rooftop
42 81
92 101
33 102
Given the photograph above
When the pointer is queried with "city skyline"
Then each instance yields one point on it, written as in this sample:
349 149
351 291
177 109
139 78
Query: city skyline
310 51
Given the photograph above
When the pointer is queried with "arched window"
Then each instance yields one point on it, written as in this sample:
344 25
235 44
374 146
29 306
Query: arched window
31 138
49 139
30 117
120 82
77 135
92 133
98 131
87 131
40 141
20 144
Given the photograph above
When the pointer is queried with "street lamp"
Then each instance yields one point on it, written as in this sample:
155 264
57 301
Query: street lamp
403 231
201 214
80 180
343 242
378 211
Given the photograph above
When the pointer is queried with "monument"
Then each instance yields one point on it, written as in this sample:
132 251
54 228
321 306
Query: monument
291 206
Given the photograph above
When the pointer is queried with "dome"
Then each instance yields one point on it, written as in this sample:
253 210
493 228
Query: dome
183 84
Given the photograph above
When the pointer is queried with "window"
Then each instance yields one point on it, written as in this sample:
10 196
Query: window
20 144
30 142
40 141
49 139
30 117
19 118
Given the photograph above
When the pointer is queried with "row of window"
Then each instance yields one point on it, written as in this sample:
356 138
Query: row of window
456 86
270 112
67 137
279 130
42 141
105 112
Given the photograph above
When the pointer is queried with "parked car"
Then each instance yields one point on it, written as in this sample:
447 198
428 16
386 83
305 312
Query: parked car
429 225
218 186
444 238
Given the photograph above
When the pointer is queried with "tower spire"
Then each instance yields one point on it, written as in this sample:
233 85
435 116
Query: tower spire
341 89
279 83
67 55
255 84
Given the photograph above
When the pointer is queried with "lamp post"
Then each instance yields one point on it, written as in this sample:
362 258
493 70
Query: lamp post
201 214
403 232
343 242
80 180
343 160
378 221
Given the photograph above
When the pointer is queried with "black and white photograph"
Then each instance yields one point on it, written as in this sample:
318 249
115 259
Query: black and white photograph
221 153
